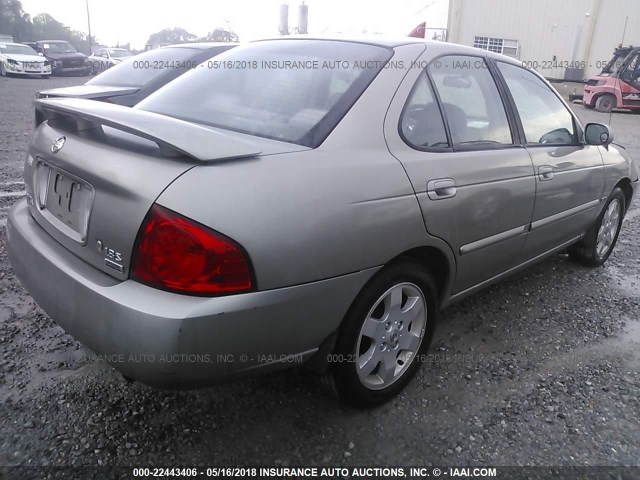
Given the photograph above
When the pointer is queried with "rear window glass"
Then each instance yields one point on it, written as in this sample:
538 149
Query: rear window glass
141 69
291 90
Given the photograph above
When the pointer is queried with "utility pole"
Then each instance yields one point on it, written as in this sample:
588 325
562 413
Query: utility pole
89 24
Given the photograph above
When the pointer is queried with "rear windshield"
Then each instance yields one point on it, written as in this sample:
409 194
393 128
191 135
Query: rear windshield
139 70
290 90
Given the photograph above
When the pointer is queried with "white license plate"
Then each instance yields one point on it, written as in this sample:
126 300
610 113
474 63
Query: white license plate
67 202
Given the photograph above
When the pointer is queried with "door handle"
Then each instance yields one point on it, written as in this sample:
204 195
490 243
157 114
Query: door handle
545 172
441 188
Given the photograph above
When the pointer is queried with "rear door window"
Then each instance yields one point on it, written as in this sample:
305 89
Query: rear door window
471 101
421 123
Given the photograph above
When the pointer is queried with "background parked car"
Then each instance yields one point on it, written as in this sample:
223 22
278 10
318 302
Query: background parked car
63 56
18 59
105 58
133 80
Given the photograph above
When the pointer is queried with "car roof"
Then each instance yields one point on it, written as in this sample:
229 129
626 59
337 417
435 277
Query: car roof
377 40
201 45
52 41
13 43
391 42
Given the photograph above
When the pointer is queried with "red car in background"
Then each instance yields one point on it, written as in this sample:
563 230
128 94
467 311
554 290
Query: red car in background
618 85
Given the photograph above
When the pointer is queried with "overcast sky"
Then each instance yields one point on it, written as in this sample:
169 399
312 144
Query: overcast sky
134 20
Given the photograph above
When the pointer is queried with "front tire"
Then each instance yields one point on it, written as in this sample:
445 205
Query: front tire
3 70
606 103
384 336
594 249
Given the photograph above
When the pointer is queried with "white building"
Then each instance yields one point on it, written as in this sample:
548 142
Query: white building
563 39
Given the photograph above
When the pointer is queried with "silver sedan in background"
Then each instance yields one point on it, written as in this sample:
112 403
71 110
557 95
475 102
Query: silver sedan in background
104 58
308 201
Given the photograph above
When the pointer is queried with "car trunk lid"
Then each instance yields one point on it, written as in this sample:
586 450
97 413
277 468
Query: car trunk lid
92 174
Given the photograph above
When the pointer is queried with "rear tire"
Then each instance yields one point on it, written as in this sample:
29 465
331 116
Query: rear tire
594 249
385 335
606 103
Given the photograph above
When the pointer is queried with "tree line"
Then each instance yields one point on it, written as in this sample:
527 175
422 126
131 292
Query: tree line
180 35
16 22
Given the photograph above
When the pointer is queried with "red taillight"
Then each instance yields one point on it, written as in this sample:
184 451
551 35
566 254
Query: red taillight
177 254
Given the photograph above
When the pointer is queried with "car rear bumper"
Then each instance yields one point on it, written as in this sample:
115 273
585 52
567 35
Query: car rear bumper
172 340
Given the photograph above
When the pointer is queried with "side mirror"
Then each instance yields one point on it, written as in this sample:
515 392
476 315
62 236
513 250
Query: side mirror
598 134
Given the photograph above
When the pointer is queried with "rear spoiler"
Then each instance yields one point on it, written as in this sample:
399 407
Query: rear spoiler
174 137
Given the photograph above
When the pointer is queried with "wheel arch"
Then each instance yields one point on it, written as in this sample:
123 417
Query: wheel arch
627 189
613 94
433 258
436 261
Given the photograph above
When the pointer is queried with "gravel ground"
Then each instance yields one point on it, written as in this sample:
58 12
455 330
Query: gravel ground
541 369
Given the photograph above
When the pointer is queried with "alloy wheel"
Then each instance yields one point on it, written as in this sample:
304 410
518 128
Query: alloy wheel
391 336
608 228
